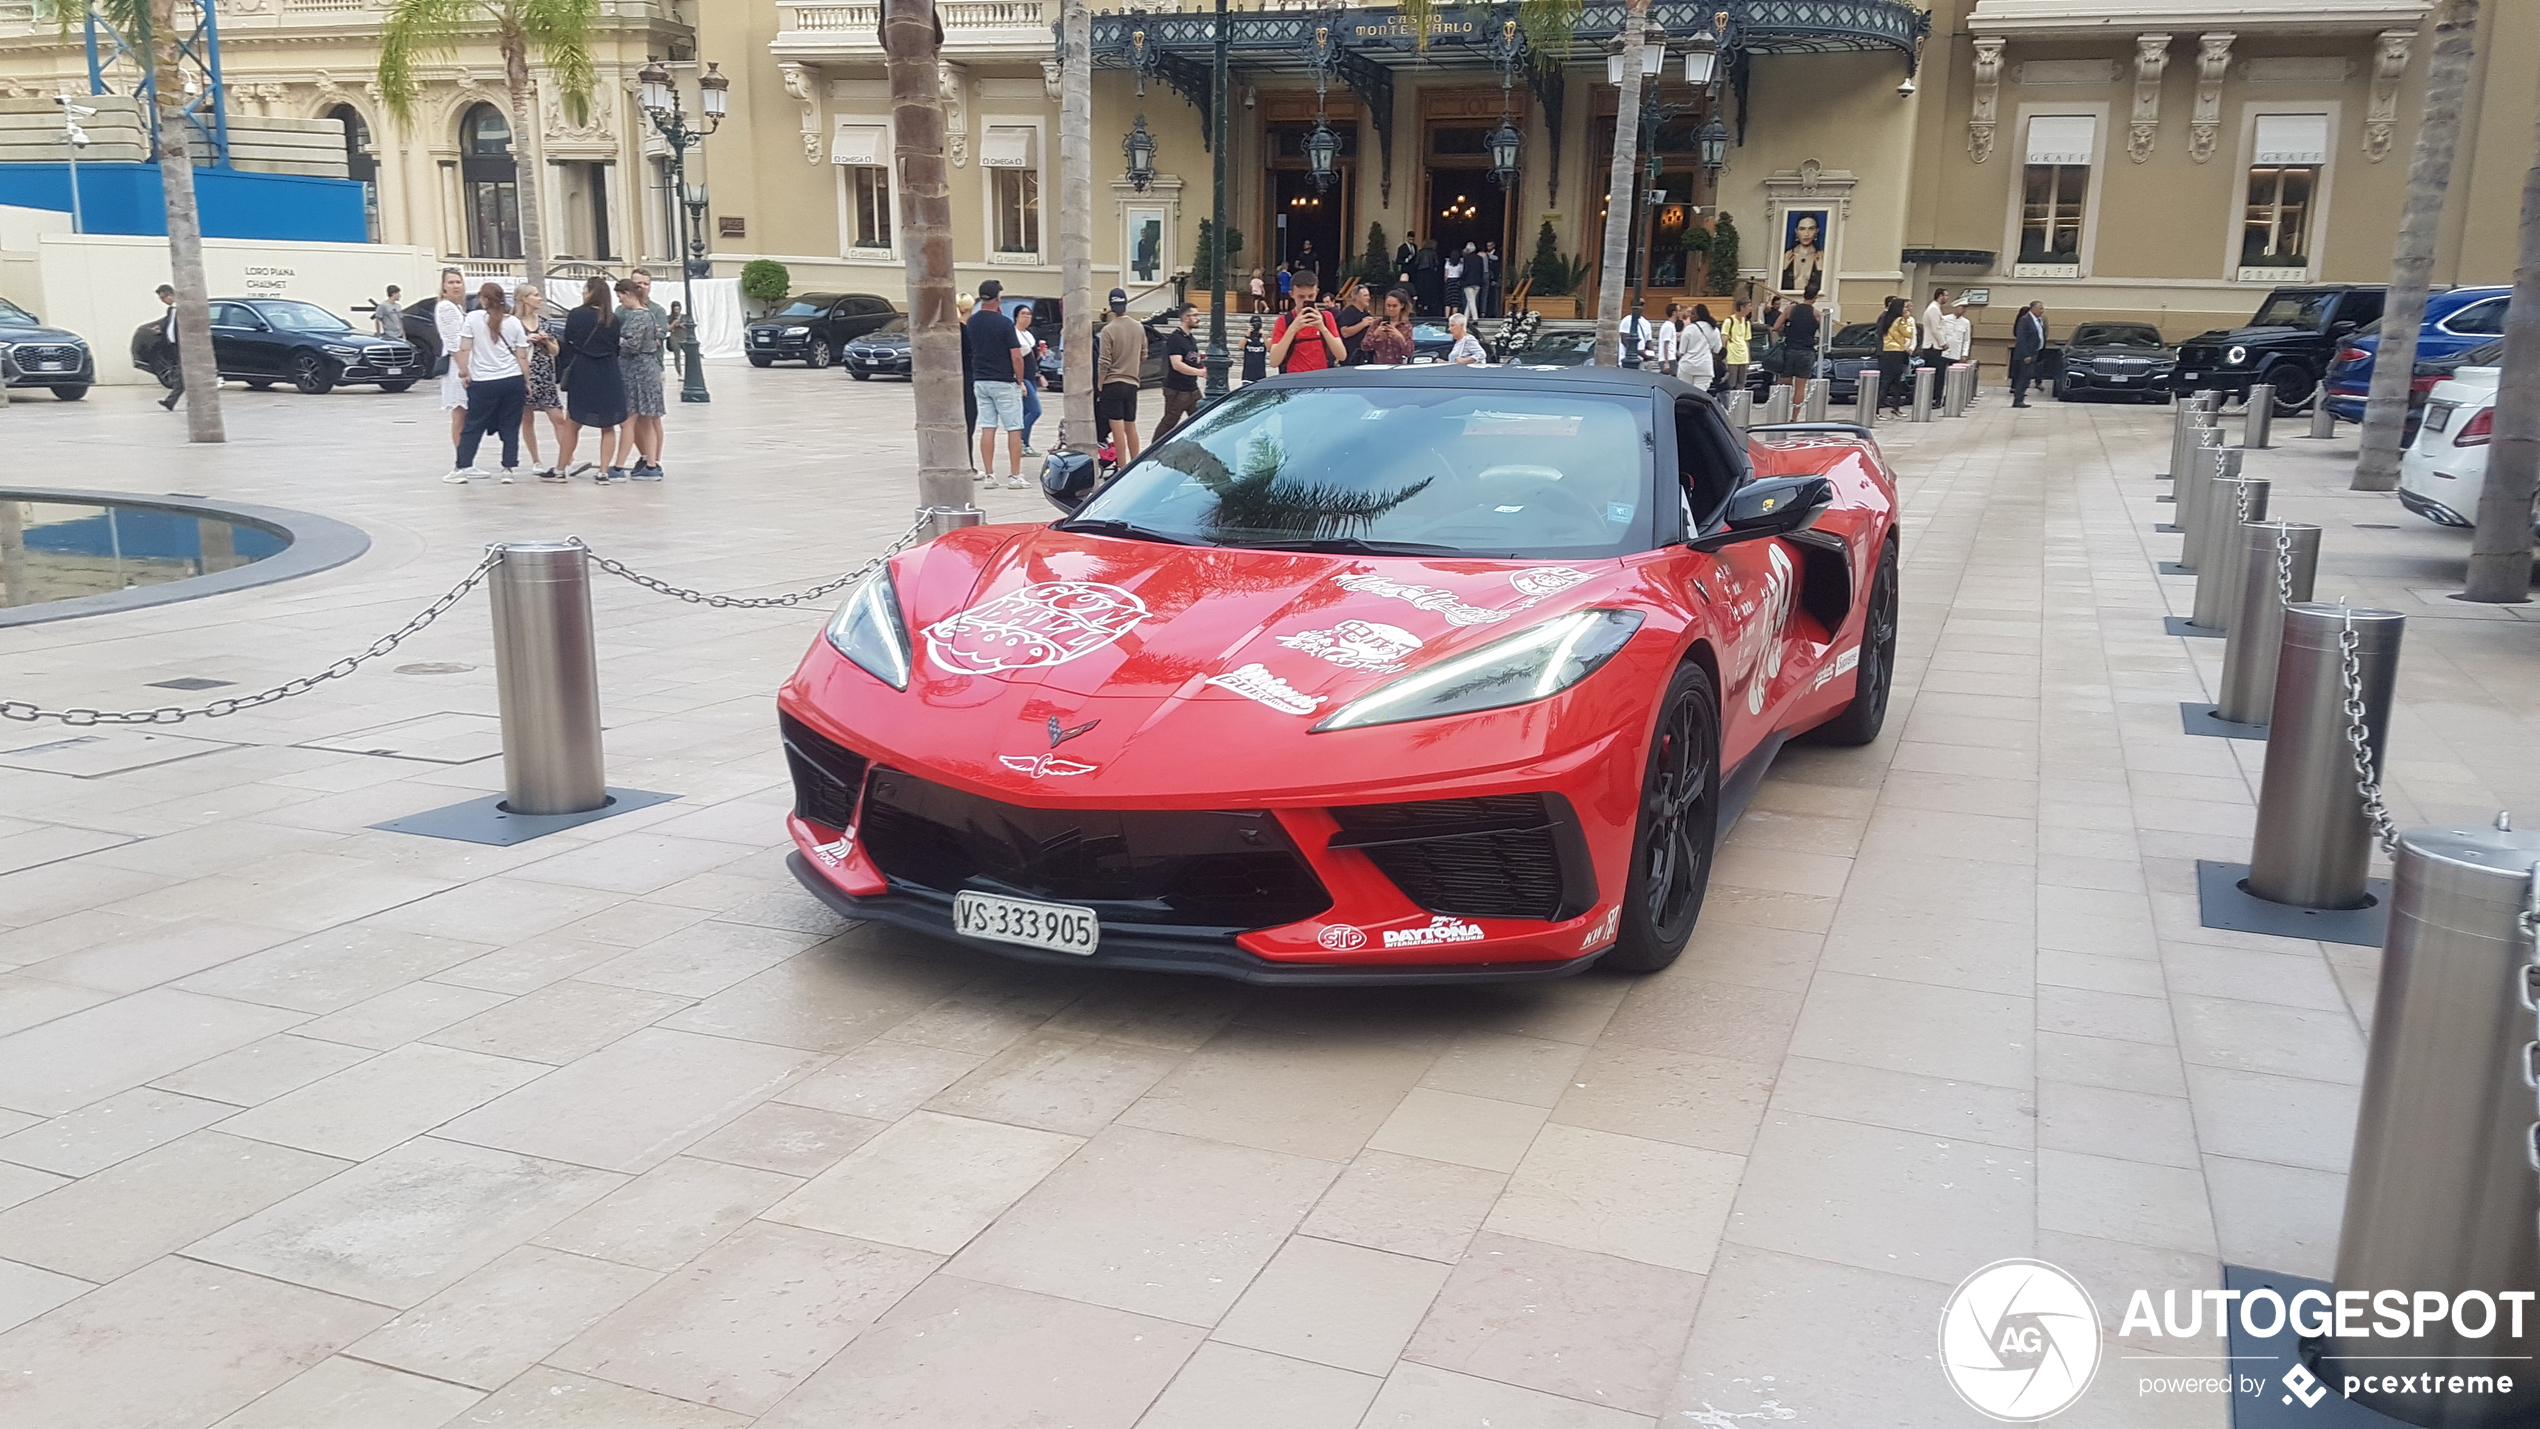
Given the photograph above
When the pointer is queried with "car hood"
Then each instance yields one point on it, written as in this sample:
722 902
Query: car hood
880 339
1011 630
2251 336
15 332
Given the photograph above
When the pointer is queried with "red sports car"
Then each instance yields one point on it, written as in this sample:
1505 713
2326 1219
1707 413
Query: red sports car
1364 676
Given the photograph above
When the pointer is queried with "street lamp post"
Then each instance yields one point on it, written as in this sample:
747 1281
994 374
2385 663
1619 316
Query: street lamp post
659 94
1217 359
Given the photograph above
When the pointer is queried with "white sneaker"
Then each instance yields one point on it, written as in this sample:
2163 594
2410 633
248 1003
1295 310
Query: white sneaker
1017 482
983 476
507 476
582 468
457 476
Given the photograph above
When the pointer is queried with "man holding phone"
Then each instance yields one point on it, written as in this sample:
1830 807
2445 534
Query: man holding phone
1306 339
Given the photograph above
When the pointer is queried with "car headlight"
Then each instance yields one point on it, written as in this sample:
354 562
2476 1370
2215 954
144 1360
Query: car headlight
2234 356
347 353
796 331
1534 664
868 630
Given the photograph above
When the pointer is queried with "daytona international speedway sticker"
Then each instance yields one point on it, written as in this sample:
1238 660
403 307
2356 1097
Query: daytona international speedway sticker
1045 623
1440 930
1424 597
1256 683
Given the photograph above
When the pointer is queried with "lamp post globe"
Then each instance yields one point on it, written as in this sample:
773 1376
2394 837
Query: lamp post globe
1505 142
652 88
1702 59
1713 144
1139 148
714 94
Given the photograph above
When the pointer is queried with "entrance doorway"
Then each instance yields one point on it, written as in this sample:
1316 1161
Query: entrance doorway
1465 207
1311 217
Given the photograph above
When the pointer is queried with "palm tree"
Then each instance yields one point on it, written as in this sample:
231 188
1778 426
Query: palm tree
1076 223
912 48
2412 261
153 26
560 30
2500 550
1618 189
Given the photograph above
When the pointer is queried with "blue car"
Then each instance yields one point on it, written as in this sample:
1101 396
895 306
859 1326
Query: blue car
2456 319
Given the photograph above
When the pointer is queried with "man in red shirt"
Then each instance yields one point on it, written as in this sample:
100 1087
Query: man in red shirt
1304 339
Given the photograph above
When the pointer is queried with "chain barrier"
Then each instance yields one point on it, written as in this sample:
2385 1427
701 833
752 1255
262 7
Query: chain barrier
79 717
2284 562
172 714
2350 671
752 602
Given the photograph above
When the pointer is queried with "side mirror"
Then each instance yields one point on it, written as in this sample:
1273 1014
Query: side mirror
1068 479
2341 327
1772 506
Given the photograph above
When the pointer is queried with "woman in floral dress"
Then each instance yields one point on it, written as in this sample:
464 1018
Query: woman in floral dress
641 335
544 396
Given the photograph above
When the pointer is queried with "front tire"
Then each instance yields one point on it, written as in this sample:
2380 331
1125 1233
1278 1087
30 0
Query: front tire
861 376
758 361
309 374
70 392
395 386
821 354
1679 824
1860 721
2294 388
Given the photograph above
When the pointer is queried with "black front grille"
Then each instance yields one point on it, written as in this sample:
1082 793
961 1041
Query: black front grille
31 356
827 776
1212 868
1499 856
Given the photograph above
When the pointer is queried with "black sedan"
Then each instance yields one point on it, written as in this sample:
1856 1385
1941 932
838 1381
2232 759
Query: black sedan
2116 360
262 341
883 352
33 355
1855 347
815 328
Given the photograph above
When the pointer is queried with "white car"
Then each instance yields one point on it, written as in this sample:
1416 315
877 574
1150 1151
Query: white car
2441 474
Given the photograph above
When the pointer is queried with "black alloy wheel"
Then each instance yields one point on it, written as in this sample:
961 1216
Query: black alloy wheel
259 384
310 374
1860 721
859 376
2294 387
71 391
822 354
1679 824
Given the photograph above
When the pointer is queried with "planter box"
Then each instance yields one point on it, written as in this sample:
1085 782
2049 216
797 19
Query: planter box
1565 306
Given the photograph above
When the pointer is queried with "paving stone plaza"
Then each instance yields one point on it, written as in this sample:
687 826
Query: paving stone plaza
308 1123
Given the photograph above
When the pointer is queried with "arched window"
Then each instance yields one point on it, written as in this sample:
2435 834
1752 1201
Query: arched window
492 183
361 164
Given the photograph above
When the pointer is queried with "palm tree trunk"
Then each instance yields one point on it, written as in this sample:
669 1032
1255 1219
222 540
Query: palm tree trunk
2500 550
529 175
2412 261
1076 223
911 46
1610 278
185 232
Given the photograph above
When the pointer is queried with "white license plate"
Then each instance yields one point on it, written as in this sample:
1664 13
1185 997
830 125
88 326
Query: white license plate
2120 379
2438 416
1060 927
54 367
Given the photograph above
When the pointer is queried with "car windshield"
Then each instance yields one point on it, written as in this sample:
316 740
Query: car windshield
302 317
2116 335
12 313
1385 470
803 308
2302 310
896 327
1858 335
1560 348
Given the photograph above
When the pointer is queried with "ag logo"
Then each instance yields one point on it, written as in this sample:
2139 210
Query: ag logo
2019 1341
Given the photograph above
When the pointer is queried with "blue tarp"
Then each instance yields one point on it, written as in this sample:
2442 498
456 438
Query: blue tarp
125 198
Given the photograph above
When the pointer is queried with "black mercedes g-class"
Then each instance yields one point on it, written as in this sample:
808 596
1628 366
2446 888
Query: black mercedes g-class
2288 345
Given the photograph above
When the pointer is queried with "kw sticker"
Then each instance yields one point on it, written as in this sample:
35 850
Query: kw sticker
1440 930
1357 645
1037 765
1603 932
1045 623
1255 683
1424 597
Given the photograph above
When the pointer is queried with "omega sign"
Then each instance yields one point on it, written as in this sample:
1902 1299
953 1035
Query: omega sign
270 282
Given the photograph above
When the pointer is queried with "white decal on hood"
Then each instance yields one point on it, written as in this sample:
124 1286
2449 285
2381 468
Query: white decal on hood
1540 581
1426 597
1440 930
1045 623
1037 765
1357 645
1255 683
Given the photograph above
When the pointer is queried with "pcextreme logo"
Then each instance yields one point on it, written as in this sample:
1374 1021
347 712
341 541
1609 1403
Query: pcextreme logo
2019 1341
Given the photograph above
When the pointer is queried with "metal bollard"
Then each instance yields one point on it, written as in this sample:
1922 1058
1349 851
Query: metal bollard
2440 1194
1812 402
944 520
2313 846
2220 567
1957 388
2257 629
2210 462
2323 421
1741 409
1777 405
1924 381
547 675
2258 418
2185 423
1865 396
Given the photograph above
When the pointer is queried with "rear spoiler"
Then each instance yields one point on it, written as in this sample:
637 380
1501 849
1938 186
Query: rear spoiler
1854 428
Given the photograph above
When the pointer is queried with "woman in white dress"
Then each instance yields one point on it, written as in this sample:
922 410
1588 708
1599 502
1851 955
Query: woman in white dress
449 319
1698 349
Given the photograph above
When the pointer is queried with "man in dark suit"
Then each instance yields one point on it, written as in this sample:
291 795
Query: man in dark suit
2028 341
1402 260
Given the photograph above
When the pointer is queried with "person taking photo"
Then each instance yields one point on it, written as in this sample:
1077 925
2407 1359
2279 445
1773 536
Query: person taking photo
1305 339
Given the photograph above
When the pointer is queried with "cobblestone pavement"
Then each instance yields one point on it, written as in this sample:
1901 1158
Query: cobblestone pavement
303 1123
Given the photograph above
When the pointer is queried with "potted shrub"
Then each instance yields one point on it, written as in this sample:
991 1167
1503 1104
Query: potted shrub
764 281
1556 279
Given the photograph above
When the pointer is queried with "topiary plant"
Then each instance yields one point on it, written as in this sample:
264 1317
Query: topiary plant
766 280
1724 254
1376 264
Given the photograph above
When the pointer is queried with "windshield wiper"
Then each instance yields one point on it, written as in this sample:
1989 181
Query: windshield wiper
1126 530
1357 546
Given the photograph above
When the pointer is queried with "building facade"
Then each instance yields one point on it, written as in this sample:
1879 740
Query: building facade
2160 159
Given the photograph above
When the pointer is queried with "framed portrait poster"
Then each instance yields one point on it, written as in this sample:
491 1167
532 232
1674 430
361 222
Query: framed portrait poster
1144 254
1801 262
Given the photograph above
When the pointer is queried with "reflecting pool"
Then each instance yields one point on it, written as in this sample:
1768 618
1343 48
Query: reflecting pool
54 550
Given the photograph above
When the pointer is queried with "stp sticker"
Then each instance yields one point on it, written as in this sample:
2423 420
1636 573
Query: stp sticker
1037 765
1253 682
1424 597
1357 645
1342 937
1440 930
1045 623
1603 932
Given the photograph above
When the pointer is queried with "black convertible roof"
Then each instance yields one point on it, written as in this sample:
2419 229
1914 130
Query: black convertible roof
1436 376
